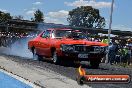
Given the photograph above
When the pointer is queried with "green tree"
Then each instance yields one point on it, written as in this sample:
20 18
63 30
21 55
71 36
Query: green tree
86 16
4 16
38 16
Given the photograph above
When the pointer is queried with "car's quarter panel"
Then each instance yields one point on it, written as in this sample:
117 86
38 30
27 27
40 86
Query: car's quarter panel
34 43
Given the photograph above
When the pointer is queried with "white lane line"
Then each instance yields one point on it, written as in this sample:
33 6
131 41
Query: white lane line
20 79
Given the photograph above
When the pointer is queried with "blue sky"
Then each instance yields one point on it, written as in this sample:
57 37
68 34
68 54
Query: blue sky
56 11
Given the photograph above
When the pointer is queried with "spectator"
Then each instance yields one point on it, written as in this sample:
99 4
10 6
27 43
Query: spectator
113 49
105 40
129 44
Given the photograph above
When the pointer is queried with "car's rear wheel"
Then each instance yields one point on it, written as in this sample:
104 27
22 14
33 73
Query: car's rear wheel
36 56
55 58
94 63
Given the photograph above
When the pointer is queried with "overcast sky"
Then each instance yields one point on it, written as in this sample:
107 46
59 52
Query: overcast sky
56 11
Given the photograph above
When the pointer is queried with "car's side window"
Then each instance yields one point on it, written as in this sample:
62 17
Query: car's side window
46 34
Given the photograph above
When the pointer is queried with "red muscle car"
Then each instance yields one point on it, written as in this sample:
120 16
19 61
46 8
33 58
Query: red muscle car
59 43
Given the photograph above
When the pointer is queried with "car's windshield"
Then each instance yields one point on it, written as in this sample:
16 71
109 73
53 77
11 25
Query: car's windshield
70 34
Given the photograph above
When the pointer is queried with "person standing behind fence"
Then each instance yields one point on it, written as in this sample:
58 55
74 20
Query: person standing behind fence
104 40
129 54
113 49
129 44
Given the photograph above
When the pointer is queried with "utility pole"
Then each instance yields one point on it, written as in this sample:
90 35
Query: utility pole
110 23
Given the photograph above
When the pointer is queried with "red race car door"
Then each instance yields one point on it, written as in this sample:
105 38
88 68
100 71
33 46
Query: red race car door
45 43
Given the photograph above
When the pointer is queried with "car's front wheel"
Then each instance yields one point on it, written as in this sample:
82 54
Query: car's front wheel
55 58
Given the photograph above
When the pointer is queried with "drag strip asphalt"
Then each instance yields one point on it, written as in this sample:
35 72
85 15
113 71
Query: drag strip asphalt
70 70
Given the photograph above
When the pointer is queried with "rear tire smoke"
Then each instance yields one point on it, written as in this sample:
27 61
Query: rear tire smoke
36 56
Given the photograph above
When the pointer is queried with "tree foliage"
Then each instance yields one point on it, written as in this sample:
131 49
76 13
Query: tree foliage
38 16
4 16
86 16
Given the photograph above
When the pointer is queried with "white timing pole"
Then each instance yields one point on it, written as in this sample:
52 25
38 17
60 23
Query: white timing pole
110 23
109 30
